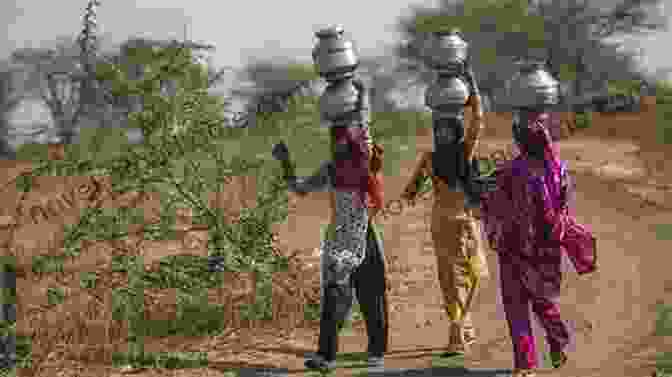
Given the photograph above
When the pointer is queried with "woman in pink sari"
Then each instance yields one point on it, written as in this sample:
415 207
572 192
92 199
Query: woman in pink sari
526 220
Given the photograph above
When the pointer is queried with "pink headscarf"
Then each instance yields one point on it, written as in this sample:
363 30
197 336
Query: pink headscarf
528 212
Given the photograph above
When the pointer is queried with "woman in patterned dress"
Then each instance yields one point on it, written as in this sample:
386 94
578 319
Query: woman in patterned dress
351 248
527 222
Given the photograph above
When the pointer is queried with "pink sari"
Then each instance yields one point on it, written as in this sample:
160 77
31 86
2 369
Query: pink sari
527 218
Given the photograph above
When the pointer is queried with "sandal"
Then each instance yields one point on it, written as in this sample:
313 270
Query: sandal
558 359
318 362
523 373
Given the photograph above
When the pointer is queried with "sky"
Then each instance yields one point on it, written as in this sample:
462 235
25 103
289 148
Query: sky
257 28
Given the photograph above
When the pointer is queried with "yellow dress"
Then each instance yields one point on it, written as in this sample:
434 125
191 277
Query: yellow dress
459 250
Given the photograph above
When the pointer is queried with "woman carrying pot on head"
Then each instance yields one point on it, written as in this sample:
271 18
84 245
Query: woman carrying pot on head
559 123
352 255
527 222
455 232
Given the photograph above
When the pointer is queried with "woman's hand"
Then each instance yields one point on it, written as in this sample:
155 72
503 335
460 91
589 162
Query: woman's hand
294 189
280 151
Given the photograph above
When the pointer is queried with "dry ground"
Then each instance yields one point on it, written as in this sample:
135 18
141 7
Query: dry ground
622 179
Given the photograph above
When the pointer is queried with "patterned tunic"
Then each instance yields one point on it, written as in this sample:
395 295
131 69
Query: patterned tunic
344 243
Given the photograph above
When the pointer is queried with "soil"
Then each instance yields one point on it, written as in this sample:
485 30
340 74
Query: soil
623 192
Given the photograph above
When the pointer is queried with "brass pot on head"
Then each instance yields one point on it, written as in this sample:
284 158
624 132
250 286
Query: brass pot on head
447 51
334 56
447 95
533 86
447 54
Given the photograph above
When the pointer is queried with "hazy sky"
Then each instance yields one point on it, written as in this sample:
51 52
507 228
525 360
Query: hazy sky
238 28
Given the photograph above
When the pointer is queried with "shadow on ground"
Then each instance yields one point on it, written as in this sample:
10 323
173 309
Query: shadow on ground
441 372
435 372
356 361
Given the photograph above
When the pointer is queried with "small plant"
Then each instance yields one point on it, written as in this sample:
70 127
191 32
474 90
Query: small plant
663 327
664 364
261 309
311 311
55 295
456 362
43 264
664 232
23 351
167 360
584 120
194 320
664 320
188 273
122 263
88 280
664 111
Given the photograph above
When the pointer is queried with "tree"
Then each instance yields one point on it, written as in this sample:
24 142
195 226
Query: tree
185 155
56 74
569 33
66 74
8 102
274 83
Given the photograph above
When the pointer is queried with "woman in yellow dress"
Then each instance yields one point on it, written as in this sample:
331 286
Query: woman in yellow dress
455 231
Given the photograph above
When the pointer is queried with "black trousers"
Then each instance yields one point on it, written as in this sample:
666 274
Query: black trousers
369 284
8 313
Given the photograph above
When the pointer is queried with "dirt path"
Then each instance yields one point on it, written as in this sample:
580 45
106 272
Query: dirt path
612 312
620 195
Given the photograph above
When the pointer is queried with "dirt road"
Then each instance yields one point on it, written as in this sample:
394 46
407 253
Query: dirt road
621 195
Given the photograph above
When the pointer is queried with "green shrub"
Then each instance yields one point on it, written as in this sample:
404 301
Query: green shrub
88 280
664 321
664 111
195 317
167 360
311 312
43 264
584 120
663 232
55 295
624 87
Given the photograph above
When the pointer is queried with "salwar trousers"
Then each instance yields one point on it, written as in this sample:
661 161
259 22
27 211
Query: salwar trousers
368 283
461 263
517 300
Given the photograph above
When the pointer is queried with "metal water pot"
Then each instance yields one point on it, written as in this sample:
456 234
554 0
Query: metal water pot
447 94
334 56
533 86
446 49
339 99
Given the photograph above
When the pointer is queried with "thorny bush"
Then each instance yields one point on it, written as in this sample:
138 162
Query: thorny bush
186 154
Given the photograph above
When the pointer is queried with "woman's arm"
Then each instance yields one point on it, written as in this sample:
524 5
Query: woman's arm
419 173
477 125
364 109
